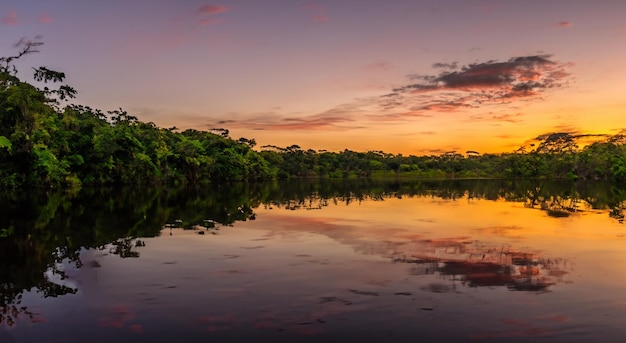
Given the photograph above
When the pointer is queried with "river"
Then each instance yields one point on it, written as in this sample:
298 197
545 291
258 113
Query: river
475 260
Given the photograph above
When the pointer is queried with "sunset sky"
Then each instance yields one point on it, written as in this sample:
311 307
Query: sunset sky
402 76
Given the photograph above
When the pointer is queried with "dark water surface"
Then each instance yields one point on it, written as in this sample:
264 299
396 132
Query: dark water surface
484 261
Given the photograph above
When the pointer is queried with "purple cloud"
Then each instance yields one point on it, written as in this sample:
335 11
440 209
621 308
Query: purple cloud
454 89
210 9
45 18
477 84
564 24
209 14
10 18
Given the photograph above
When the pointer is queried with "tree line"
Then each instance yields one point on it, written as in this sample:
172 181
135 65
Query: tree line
47 141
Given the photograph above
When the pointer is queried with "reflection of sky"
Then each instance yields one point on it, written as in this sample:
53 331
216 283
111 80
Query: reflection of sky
424 217
327 272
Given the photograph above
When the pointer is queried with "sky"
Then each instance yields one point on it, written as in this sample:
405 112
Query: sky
402 76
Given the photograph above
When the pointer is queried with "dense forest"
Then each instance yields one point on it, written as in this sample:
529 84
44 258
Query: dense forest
47 141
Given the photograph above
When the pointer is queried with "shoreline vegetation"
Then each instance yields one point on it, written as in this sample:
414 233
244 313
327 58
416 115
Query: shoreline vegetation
47 142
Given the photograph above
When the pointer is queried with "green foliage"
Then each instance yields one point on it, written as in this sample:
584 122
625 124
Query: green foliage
5 144
44 145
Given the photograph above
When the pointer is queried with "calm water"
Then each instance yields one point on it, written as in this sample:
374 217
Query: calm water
476 261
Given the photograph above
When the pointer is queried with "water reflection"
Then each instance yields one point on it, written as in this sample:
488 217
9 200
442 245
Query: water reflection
476 265
472 263
42 233
556 198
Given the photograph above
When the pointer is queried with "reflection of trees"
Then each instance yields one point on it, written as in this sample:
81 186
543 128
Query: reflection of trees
473 263
9 315
49 229
558 198
608 197
23 269
123 247
40 229
617 212
555 206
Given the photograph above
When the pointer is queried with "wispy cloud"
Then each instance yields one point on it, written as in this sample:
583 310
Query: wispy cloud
397 116
564 24
45 18
210 9
182 29
505 117
378 66
208 14
504 136
310 123
317 12
455 90
450 66
10 18
332 120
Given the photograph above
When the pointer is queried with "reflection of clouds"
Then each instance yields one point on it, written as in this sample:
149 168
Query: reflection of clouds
479 265
121 317
218 323
461 258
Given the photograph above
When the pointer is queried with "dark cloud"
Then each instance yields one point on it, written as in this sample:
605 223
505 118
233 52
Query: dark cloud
451 66
454 89
471 86
420 77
